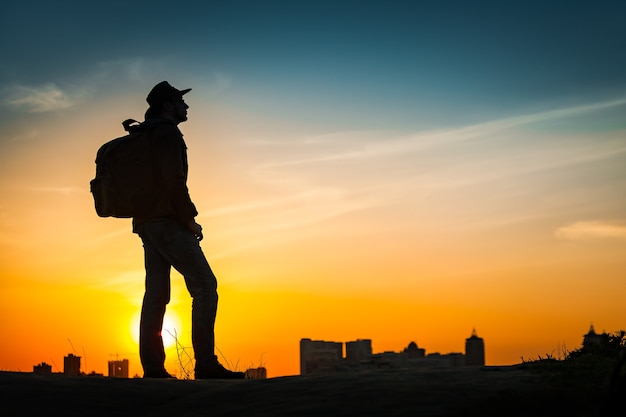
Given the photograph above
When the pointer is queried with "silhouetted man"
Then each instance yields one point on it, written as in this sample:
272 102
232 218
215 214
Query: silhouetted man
171 238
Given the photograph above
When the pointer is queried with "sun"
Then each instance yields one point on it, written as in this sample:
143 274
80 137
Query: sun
171 328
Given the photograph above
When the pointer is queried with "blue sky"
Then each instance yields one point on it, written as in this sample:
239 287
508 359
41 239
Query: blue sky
385 63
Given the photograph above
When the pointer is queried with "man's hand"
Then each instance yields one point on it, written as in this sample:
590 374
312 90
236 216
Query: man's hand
195 228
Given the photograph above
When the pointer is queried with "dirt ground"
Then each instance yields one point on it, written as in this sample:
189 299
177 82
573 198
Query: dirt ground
480 391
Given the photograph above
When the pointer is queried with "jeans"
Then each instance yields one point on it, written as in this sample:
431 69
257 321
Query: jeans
167 244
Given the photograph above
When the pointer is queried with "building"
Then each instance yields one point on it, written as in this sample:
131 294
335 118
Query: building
118 369
593 339
321 357
359 350
474 350
318 356
71 365
413 351
42 368
414 357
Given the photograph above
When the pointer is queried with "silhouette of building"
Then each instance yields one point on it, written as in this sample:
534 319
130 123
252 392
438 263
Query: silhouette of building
445 360
474 350
359 350
321 357
118 369
592 339
414 357
413 351
71 365
256 373
318 356
42 368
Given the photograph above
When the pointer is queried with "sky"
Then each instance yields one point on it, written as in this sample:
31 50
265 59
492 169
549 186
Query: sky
388 170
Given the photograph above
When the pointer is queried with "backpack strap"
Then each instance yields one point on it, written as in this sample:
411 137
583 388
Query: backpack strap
132 125
128 124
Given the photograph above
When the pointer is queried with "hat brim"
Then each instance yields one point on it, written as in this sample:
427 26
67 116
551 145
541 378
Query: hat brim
185 91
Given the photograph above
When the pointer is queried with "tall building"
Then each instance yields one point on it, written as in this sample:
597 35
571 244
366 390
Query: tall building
317 356
71 365
118 369
474 350
321 357
359 350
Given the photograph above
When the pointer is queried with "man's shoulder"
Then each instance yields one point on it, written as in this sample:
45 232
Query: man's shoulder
163 130
160 125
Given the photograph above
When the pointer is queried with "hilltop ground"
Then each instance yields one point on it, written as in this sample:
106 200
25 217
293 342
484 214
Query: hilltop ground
479 391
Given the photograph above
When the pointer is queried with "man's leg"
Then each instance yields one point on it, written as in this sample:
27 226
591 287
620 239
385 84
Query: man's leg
182 250
202 286
155 300
186 256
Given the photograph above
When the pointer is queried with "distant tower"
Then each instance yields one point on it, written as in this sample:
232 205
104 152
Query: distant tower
592 338
118 369
71 365
474 350
318 356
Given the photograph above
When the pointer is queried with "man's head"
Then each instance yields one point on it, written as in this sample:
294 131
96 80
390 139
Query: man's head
167 101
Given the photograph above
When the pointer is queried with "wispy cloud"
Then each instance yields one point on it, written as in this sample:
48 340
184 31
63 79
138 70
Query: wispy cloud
51 96
490 170
362 145
593 231
434 160
40 99
394 172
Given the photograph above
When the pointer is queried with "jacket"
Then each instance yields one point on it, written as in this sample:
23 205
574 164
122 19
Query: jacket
170 169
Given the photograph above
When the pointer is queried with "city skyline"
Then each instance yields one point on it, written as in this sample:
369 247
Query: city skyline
346 356
324 357
381 168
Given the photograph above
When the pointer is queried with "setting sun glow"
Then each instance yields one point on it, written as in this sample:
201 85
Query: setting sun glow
172 329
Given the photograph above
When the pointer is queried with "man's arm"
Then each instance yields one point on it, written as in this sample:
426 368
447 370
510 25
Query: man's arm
171 164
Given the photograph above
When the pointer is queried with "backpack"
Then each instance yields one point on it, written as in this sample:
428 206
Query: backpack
125 185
